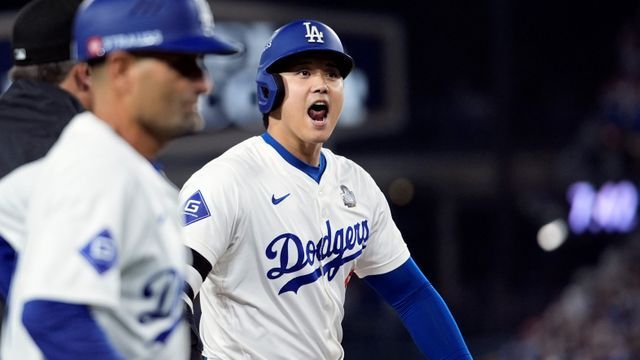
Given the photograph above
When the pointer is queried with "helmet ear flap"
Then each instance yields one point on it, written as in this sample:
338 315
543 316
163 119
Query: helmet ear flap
270 92
278 97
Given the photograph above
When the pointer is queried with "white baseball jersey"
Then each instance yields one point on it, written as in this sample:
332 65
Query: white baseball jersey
15 192
103 230
283 247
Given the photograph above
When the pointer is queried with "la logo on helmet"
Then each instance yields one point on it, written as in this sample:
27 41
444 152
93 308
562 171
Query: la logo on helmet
313 34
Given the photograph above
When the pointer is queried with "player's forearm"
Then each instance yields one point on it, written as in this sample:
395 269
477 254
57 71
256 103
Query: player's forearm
431 325
422 311
66 331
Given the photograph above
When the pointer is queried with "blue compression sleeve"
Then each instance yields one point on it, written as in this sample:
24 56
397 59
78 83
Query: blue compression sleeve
66 331
422 311
8 258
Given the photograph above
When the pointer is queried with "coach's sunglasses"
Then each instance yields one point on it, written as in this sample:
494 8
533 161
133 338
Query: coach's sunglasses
190 66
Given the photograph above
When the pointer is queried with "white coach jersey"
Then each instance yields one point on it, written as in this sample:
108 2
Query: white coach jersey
283 248
102 230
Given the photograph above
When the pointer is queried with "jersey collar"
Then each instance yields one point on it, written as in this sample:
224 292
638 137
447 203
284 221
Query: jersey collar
314 172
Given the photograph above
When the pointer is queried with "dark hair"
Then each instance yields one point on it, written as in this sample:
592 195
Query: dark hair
53 73
265 120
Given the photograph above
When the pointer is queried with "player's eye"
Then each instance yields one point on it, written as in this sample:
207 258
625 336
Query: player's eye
333 74
304 72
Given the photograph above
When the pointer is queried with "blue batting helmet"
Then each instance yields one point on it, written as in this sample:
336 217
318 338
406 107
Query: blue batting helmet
295 38
183 26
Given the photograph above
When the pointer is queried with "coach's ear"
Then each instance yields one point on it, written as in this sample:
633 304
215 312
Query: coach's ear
117 68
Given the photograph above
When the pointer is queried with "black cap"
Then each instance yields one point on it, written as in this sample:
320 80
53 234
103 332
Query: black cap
42 32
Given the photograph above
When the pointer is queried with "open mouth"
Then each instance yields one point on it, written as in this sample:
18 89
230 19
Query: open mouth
318 111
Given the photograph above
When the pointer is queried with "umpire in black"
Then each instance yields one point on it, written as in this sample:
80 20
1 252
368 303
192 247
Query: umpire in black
48 88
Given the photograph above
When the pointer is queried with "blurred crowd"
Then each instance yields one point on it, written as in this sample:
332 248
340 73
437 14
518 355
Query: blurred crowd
597 315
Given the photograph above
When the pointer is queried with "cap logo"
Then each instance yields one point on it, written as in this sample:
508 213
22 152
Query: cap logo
132 40
313 34
20 54
95 47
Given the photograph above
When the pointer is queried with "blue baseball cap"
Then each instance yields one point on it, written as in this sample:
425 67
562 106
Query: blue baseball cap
183 26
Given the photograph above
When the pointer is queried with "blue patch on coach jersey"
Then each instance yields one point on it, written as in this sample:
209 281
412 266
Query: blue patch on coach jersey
101 251
195 209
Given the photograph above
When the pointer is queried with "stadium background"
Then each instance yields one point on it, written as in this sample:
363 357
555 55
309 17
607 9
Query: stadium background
474 118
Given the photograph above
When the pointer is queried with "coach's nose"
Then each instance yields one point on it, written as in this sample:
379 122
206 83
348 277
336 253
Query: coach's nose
204 85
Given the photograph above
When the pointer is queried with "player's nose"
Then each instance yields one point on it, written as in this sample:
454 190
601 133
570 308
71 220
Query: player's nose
319 83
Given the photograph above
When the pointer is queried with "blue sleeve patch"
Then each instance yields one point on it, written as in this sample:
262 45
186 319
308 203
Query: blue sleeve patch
101 251
195 209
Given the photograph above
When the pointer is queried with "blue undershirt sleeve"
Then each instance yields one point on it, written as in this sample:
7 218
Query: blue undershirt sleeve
422 311
8 258
66 331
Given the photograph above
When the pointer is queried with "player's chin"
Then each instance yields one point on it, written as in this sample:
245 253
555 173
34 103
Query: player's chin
321 135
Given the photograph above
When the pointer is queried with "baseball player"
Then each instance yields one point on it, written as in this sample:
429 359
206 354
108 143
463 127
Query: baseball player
278 224
102 269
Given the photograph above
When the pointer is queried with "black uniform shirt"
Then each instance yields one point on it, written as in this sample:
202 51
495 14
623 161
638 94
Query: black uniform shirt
32 116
